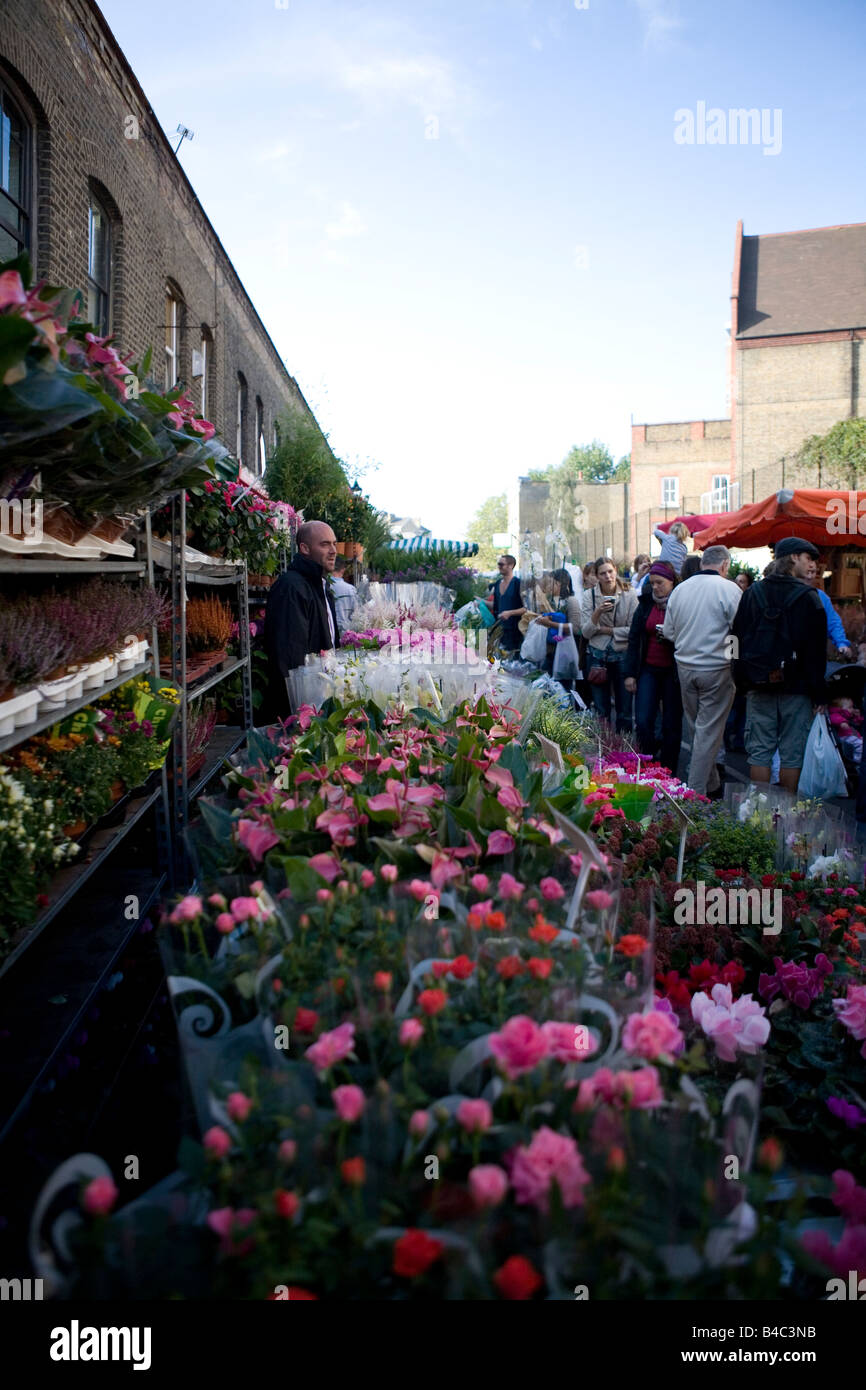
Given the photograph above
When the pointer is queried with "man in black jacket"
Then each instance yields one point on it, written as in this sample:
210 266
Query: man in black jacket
300 617
780 658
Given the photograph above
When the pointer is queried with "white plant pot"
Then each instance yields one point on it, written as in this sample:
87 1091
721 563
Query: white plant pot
18 711
131 654
111 673
56 694
95 673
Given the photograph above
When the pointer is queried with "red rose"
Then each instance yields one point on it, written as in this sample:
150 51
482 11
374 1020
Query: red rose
354 1171
510 966
767 880
539 968
286 1203
462 967
306 1020
432 1001
440 968
414 1253
517 1278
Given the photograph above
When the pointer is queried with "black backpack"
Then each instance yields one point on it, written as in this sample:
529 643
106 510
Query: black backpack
767 645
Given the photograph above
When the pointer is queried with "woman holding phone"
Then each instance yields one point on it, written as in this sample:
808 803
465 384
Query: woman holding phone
651 671
608 609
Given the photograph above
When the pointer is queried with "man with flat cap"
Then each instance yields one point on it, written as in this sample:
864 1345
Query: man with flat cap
300 617
781 632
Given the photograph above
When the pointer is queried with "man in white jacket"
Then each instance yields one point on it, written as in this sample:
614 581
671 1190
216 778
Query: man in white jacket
698 622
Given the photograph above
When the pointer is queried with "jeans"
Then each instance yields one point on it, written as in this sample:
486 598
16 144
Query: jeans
707 698
613 689
659 685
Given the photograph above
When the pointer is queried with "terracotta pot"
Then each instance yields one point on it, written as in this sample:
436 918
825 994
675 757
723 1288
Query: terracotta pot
74 829
341 547
109 529
117 790
59 523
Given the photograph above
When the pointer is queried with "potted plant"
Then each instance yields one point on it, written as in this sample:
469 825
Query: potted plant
208 629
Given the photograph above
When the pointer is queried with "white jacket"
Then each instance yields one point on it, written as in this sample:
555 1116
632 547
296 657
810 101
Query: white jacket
698 619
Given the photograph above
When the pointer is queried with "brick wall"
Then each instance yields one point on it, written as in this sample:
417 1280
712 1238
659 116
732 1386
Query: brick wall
59 58
691 451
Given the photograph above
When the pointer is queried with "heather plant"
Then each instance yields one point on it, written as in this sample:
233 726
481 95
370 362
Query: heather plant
32 645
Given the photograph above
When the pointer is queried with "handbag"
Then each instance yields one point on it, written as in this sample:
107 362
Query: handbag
598 675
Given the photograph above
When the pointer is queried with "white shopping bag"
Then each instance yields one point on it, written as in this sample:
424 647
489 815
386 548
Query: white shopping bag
566 662
823 771
534 646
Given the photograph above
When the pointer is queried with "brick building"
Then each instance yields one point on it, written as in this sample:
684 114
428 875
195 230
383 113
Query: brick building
678 468
91 188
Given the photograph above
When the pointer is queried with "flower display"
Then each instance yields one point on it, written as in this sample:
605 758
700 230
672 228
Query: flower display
733 1025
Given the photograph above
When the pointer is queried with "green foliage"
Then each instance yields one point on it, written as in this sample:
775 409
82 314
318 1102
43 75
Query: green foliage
492 516
745 845
303 469
837 458
622 472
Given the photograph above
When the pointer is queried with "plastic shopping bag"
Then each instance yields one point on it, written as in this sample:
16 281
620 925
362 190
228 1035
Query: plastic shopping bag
566 662
534 646
823 771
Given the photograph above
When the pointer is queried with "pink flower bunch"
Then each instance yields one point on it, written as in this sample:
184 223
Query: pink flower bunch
407 803
183 414
519 1046
568 1042
796 981
226 1223
549 1158
852 1012
733 1025
625 1090
652 1035
331 1048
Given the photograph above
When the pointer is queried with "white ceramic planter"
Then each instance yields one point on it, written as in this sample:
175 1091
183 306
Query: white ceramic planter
56 694
131 654
111 673
95 673
18 711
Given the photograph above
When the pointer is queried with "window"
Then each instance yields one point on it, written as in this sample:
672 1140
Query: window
670 492
241 417
99 267
202 364
15 147
173 312
719 492
261 450
276 436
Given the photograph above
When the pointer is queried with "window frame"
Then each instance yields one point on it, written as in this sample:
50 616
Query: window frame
10 103
676 489
173 326
725 478
241 400
102 321
261 447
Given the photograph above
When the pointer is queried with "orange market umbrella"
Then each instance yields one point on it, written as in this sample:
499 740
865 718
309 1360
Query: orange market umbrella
825 516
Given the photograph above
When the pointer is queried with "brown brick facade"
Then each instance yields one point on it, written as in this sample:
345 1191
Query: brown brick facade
61 64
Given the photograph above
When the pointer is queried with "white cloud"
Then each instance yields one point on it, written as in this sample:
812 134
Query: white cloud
662 23
269 156
425 82
536 44
348 224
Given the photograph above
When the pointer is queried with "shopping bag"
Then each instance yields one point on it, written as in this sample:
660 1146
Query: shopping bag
534 646
566 662
823 771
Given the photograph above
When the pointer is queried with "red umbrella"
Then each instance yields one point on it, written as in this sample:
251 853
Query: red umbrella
694 523
825 516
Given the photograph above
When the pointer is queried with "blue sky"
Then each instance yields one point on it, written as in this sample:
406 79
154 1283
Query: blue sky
467 224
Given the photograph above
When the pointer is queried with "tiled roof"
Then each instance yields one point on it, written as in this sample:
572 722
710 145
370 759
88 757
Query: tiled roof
803 282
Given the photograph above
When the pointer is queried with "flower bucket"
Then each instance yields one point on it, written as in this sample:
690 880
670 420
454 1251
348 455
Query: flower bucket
55 694
131 654
95 673
18 711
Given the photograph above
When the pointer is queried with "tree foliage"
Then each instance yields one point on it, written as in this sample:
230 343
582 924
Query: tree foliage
492 516
303 469
837 458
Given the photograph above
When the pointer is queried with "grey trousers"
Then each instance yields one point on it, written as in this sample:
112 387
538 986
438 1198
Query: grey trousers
707 698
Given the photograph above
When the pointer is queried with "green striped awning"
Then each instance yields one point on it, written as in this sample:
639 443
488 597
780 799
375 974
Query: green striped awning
430 543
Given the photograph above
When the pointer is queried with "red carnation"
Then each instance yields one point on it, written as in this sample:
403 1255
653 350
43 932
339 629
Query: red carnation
432 1001
306 1020
517 1278
415 1252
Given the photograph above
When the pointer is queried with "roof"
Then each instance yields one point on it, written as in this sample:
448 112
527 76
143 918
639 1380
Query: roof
802 282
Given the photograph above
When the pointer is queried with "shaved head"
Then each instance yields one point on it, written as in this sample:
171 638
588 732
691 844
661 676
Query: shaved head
317 541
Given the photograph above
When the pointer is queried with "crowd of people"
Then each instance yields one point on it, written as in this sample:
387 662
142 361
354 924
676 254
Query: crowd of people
679 641
675 640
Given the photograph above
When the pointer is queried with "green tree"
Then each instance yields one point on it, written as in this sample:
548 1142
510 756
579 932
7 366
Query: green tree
492 516
303 469
835 459
622 472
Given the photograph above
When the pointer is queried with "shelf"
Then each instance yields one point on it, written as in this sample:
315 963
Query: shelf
75 968
205 577
43 564
69 880
193 691
47 721
224 742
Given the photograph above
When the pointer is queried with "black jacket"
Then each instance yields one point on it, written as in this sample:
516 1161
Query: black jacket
807 627
638 638
296 623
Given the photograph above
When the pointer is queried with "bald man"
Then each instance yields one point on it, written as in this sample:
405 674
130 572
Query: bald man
300 617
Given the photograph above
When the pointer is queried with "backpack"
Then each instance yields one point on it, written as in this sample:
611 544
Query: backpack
766 644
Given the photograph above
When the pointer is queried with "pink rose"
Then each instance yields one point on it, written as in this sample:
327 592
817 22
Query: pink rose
480 882
367 878
389 872
552 890
99 1197
256 838
519 1046
651 1035
187 910
568 1042
411 1032
323 895
421 888
488 1184
217 1142
244 908
599 899
217 900
419 1122
475 1116
510 889
641 1089
332 1047
349 1102
287 1151
549 1158
238 1106
225 923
